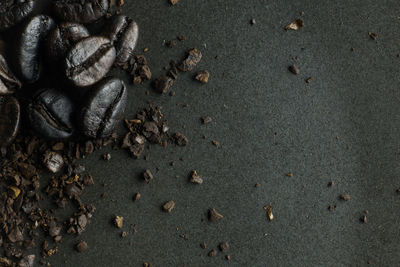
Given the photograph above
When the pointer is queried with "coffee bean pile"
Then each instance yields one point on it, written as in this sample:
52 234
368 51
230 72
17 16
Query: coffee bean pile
58 105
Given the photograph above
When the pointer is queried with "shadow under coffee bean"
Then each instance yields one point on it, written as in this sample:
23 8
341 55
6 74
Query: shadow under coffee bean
9 119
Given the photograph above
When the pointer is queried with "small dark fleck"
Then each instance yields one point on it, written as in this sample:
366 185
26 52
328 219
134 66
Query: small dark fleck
182 38
363 219
289 174
147 176
214 215
195 178
203 245
215 143
373 35
169 206
257 185
331 184
345 197
136 197
124 234
206 119
253 21
227 257
223 246
309 79
332 207
81 246
212 253
107 156
162 84
294 69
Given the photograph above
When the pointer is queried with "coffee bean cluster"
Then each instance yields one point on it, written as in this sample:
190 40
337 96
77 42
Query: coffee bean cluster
62 53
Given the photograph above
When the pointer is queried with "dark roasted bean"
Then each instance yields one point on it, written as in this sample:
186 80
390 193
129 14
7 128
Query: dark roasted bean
50 114
123 33
81 11
9 119
103 108
89 61
28 59
14 11
62 38
8 81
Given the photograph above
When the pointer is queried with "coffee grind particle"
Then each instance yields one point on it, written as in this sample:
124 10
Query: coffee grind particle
192 59
253 21
363 219
169 206
195 178
170 43
147 176
223 246
373 35
81 246
331 184
202 76
53 161
107 156
180 139
270 215
228 257
332 207
181 38
289 174
214 215
295 25
119 221
124 234
309 79
294 69
345 197
212 253
203 245
215 143
174 2
162 84
398 190
206 119
137 196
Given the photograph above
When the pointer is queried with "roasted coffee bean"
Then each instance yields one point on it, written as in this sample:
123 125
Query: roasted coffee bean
50 114
123 33
28 58
103 108
62 38
9 119
14 11
81 11
89 61
8 81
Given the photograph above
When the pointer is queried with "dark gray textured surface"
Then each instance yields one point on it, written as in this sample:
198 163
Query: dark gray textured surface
342 127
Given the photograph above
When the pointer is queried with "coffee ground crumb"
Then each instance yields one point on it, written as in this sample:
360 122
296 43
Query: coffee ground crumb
294 69
119 221
331 184
373 35
124 234
215 142
212 253
174 2
332 207
81 246
202 76
223 246
214 215
345 197
137 196
195 178
295 25
203 245
289 174
148 176
206 119
169 206
309 79
228 257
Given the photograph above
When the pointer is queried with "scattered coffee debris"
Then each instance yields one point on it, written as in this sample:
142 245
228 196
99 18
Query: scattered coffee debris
309 79
215 143
169 206
345 197
148 176
124 234
170 43
174 2
180 139
253 21
332 207
203 245
295 25
202 76
181 38
212 253
137 196
192 59
268 208
138 68
289 174
162 84
119 221
228 257
107 156
82 246
363 219
206 119
53 161
257 185
294 69
373 35
223 246
195 178
331 184
214 215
